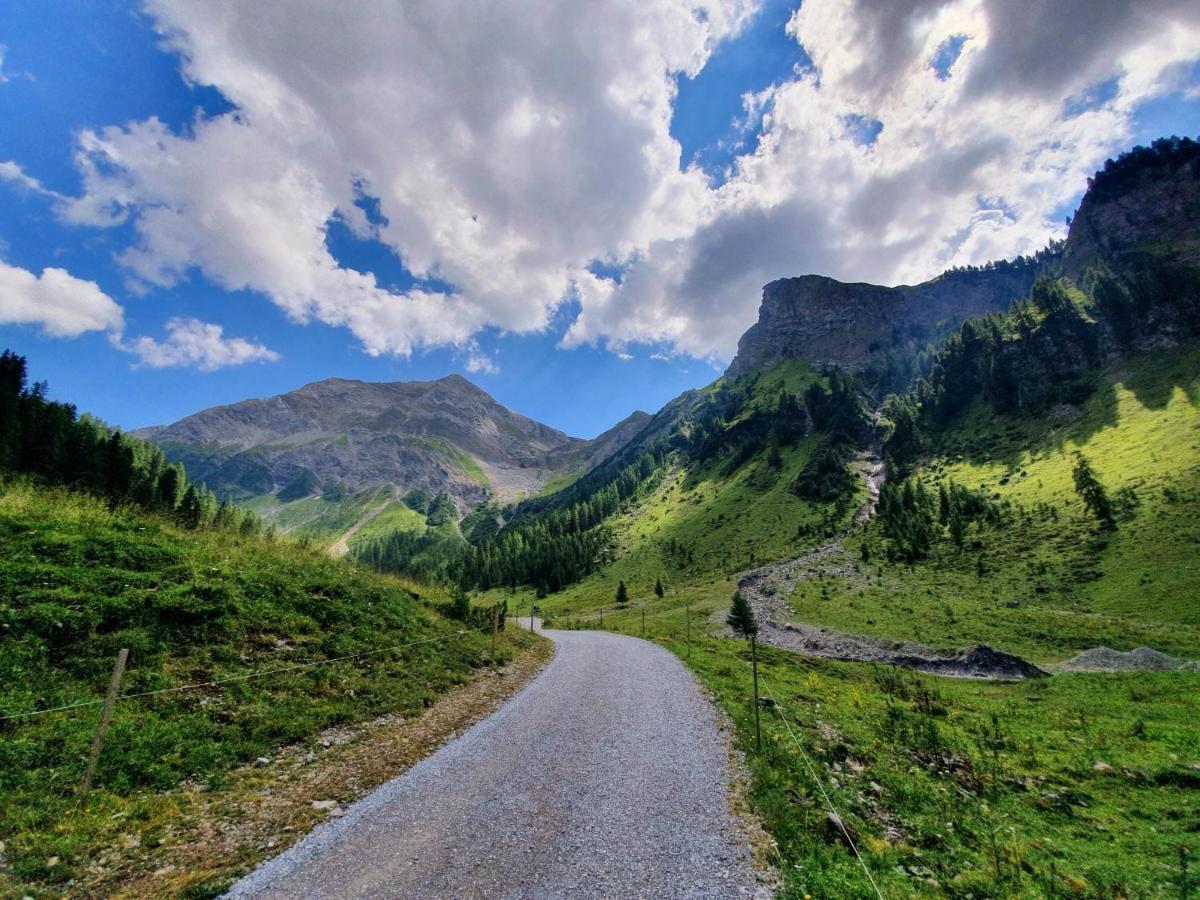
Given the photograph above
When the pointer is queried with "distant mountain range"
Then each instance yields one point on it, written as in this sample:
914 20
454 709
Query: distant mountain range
337 436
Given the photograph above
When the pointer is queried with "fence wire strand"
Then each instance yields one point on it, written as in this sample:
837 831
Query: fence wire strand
821 787
232 678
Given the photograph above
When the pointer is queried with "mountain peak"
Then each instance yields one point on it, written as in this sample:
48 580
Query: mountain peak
446 434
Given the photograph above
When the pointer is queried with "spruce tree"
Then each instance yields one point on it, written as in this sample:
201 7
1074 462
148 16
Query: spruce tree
191 512
460 606
741 620
622 593
658 588
1094 496
741 616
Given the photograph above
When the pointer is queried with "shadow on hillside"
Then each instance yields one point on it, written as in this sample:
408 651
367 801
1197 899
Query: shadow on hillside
1152 378
1154 382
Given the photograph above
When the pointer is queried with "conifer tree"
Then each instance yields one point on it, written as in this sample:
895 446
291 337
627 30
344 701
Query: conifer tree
1094 496
741 616
622 593
191 512
658 588
460 606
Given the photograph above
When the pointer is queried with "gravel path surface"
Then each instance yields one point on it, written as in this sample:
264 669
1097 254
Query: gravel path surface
606 777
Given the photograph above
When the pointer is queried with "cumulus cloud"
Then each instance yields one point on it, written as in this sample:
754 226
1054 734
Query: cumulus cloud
192 343
508 150
480 362
971 164
63 306
60 304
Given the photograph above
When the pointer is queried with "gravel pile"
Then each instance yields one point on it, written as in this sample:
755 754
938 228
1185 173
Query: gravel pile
1105 659
606 777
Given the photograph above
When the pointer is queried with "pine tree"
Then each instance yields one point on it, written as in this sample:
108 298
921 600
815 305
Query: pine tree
460 606
191 512
1094 496
774 455
741 616
622 593
658 588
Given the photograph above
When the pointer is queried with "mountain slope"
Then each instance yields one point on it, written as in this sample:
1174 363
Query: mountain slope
313 460
80 579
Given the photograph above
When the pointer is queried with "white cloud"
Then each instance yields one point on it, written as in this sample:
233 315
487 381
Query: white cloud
56 301
14 174
966 169
507 149
190 342
480 362
511 148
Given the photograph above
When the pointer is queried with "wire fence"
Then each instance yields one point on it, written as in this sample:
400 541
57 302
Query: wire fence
593 614
234 678
837 817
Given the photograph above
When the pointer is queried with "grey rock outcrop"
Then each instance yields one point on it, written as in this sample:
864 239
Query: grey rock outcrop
1154 211
829 322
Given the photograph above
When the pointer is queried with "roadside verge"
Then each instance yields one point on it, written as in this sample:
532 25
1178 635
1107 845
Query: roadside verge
264 808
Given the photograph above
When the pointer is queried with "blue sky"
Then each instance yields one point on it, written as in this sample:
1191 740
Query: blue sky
581 301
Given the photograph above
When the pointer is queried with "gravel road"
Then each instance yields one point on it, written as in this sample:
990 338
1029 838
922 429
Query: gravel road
606 777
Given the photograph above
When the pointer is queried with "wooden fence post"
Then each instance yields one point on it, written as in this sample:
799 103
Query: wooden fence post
688 607
754 665
643 623
110 698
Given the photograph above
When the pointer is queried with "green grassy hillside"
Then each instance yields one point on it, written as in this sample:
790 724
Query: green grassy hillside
1078 786
1073 786
78 580
1051 582
706 521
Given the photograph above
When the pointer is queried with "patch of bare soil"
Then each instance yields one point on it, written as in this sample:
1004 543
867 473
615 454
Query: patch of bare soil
267 806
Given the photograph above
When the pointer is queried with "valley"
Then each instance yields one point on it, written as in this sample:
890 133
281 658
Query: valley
965 516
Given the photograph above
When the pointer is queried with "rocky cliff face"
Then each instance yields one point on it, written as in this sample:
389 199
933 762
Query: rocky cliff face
828 322
1140 214
1151 208
444 435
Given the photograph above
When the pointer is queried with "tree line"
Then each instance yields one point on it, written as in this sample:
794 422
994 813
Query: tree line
49 441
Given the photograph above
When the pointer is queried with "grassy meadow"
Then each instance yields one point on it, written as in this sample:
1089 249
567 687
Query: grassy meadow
1078 785
79 580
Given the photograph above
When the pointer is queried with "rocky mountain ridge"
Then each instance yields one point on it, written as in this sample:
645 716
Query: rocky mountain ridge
343 435
1139 214
829 322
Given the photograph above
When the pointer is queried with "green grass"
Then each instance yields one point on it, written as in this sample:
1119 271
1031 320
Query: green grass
965 789
316 518
78 581
560 482
1053 586
395 517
